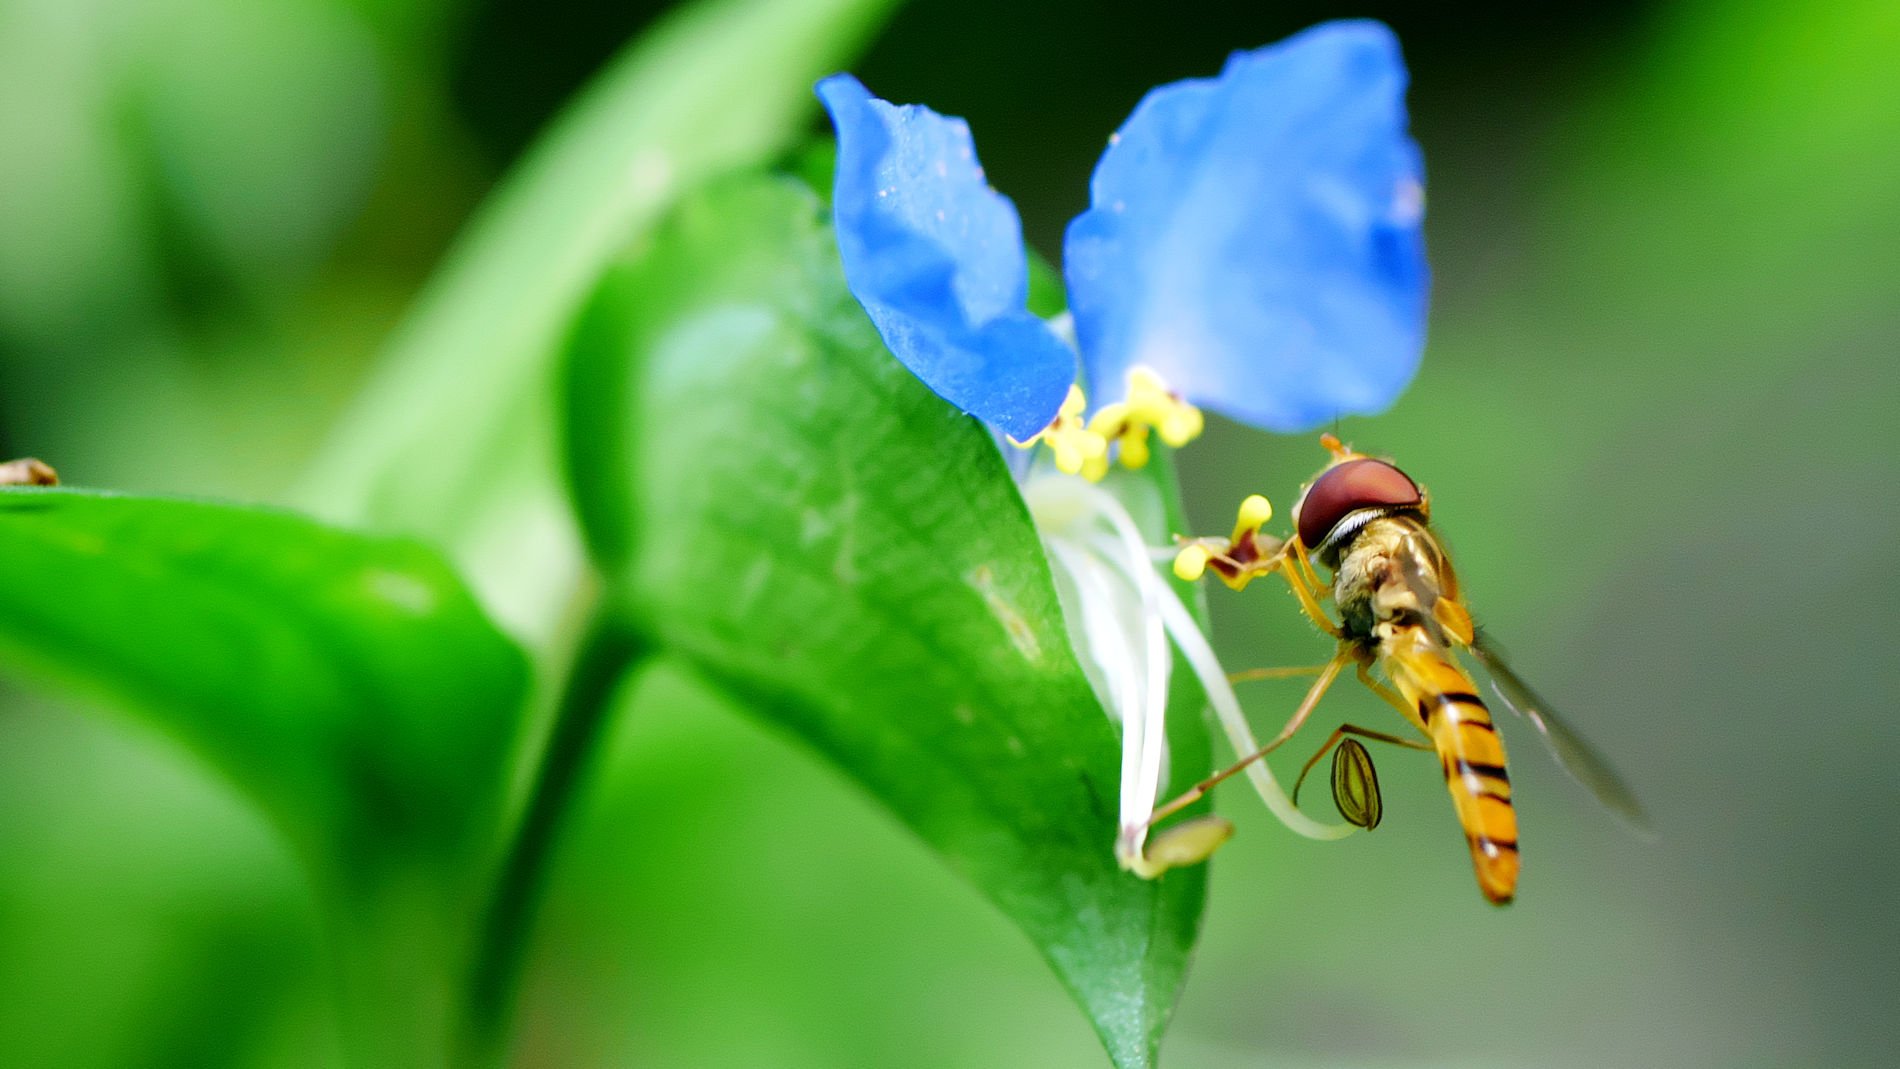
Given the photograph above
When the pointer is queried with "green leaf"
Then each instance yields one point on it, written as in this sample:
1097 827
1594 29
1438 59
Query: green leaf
838 547
452 440
350 685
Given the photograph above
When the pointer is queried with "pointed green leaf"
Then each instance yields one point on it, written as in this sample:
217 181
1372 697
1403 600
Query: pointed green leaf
452 440
776 498
350 685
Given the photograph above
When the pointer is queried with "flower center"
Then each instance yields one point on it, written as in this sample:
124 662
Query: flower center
1083 448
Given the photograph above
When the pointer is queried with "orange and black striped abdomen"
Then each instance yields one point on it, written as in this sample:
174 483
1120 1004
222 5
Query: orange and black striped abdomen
1472 756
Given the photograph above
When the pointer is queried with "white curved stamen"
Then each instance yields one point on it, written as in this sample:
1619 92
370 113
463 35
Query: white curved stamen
1114 584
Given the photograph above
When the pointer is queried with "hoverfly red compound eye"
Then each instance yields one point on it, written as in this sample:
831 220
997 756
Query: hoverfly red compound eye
1346 488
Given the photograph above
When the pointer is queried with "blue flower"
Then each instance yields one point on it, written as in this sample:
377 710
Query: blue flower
1253 246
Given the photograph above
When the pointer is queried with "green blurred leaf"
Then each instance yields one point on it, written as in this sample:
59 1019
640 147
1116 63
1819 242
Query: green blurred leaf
849 554
452 440
348 684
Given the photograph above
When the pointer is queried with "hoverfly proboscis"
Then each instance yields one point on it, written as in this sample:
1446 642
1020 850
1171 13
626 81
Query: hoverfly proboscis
1401 612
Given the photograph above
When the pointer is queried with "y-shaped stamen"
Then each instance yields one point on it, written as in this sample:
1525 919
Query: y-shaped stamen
1082 449
1239 559
1078 449
1149 405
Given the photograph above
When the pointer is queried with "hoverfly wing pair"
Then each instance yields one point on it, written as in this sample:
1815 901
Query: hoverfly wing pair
1573 754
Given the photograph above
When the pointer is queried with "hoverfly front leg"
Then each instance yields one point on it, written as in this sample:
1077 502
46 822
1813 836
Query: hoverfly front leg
1309 600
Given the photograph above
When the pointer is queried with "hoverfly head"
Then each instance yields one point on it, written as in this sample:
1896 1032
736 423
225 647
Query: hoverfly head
1351 492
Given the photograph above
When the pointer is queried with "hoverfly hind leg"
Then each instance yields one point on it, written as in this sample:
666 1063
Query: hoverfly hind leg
1307 704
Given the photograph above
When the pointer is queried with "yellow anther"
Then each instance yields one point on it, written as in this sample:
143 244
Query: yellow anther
1111 421
1135 448
1191 563
1082 448
1254 513
1151 403
1149 407
1182 425
1077 449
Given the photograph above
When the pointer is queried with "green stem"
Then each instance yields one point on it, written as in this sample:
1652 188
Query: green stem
603 659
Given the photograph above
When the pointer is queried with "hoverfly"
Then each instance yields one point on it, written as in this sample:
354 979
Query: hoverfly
1400 610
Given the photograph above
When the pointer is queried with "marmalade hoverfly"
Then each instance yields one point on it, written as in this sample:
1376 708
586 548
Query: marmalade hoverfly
1400 611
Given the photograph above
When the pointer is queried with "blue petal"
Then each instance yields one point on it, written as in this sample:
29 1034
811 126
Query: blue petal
1256 238
936 258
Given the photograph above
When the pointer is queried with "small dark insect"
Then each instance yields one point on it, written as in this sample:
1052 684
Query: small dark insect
27 472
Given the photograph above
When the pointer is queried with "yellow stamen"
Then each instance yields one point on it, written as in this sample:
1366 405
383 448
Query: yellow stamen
1149 407
1150 403
1077 449
1135 448
1191 563
1242 557
1082 449
1254 513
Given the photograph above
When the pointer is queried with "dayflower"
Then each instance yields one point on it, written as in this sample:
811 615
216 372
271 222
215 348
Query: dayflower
1253 246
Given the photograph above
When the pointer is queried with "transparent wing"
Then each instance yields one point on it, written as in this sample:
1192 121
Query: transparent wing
1577 757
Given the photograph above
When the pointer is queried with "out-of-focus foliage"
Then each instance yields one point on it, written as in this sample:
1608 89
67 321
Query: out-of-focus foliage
350 685
1654 413
453 437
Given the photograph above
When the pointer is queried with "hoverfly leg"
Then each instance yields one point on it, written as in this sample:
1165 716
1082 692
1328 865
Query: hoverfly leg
1286 565
1252 674
1305 562
1313 695
1393 699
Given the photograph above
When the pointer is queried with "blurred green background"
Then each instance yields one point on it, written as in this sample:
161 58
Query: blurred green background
1656 416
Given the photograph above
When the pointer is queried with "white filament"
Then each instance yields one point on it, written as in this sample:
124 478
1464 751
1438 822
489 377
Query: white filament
1115 585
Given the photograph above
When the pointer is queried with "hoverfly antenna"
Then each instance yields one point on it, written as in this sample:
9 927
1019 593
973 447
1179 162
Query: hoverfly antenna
1331 443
